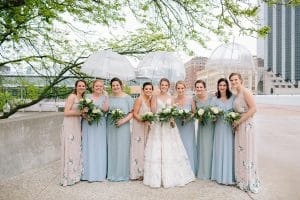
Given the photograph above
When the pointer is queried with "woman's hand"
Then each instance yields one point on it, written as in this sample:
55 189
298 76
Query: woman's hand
235 125
84 115
120 122
85 110
146 123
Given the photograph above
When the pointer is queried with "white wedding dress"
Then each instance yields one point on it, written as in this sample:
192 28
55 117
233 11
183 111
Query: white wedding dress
166 161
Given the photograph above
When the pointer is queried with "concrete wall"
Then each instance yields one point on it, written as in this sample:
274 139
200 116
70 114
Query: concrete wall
28 142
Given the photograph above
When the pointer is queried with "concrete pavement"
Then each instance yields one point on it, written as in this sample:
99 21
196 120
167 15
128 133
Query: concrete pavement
278 139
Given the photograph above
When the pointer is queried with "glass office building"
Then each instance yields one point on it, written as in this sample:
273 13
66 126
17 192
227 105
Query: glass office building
281 48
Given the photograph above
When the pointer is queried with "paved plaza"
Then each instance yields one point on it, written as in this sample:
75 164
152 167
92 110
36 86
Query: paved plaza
278 139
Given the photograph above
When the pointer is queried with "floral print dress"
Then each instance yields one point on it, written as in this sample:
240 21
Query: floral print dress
245 150
71 148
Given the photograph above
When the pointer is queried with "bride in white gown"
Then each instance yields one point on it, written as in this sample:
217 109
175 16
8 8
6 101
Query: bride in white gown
166 161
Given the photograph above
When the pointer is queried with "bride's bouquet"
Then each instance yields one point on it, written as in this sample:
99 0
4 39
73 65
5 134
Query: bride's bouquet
212 113
148 116
116 115
167 115
230 117
200 114
184 115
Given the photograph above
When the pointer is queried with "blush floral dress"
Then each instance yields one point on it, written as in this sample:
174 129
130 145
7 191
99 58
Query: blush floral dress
245 150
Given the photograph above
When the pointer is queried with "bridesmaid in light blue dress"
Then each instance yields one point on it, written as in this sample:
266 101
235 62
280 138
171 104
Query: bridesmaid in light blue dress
118 135
94 146
186 130
205 133
223 148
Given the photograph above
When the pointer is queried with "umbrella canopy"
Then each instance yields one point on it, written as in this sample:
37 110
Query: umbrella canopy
108 64
156 65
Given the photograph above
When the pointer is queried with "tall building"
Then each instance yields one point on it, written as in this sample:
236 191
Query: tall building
281 48
191 68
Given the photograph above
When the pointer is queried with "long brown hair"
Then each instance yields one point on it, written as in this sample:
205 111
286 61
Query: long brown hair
76 84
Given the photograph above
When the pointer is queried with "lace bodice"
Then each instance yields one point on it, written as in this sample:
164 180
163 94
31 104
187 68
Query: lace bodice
161 104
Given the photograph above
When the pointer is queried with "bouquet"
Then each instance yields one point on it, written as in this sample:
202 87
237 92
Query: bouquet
86 104
199 114
91 111
184 115
232 116
167 114
94 115
116 115
148 116
213 112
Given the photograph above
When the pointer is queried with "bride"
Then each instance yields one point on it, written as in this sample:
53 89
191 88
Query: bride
166 161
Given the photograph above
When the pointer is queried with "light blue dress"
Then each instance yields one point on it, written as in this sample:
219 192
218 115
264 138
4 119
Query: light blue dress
94 148
223 148
205 140
118 141
187 135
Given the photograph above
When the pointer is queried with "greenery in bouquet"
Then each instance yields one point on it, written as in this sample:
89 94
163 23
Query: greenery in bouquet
116 115
148 116
184 115
91 112
212 113
95 115
86 104
167 114
200 114
230 117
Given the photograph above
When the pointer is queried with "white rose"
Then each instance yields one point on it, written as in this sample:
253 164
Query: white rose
215 110
94 110
200 112
149 113
180 111
233 114
88 100
167 110
186 111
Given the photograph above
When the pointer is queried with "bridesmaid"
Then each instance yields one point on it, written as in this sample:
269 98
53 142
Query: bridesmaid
94 146
71 137
245 151
186 131
118 135
223 147
140 132
205 133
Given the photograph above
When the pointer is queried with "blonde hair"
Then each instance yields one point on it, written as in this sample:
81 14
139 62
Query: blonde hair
100 81
180 82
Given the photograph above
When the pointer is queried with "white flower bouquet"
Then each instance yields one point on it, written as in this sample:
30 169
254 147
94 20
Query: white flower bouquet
116 115
212 113
167 115
148 116
95 115
230 117
85 104
200 114
184 115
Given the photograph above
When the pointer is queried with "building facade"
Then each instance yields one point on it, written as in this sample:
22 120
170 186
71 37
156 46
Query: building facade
281 48
192 67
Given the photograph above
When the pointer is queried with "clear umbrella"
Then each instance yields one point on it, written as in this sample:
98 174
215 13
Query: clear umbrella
156 65
107 64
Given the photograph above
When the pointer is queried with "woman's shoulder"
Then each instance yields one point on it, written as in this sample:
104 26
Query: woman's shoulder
72 96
